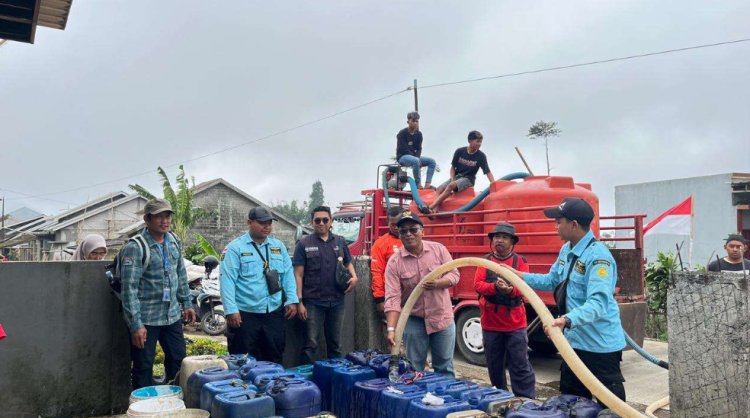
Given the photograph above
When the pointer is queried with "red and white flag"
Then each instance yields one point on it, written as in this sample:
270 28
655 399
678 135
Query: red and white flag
677 220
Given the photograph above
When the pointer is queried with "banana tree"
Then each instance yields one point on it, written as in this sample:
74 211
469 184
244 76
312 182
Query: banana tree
185 215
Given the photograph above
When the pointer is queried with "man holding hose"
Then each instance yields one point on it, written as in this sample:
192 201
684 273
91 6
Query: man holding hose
589 315
430 325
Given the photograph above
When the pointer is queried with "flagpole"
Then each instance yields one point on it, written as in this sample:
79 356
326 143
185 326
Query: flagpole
692 235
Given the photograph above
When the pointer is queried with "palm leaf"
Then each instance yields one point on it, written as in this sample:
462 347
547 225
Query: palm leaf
141 191
206 246
169 195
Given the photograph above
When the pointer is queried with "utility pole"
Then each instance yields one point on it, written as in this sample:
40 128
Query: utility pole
416 100
2 218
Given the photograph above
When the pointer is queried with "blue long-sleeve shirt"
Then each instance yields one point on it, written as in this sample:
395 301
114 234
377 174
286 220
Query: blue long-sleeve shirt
591 306
243 284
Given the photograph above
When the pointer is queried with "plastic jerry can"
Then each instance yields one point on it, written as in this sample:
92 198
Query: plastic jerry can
342 383
196 381
362 357
482 398
532 410
417 408
322 374
306 370
243 404
381 364
295 398
211 389
365 397
264 380
235 361
454 388
422 379
395 400
472 413
250 372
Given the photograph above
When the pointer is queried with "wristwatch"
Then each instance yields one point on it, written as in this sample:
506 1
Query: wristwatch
567 322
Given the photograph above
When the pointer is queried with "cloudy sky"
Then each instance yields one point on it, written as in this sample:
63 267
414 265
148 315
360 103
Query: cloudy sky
131 85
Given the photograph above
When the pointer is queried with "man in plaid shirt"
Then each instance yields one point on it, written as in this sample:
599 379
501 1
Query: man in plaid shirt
155 297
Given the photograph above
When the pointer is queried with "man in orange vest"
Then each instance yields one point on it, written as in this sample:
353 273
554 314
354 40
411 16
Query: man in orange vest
381 252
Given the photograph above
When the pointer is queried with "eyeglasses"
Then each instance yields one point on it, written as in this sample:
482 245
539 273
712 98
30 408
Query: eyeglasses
319 221
413 230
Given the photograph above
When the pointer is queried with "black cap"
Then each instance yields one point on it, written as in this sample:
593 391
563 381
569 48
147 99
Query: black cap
505 228
260 214
574 209
409 216
736 237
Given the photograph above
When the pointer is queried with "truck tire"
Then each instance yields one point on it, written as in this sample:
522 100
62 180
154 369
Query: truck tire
469 336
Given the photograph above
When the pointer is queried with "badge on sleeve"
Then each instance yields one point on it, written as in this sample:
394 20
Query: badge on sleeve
602 272
127 261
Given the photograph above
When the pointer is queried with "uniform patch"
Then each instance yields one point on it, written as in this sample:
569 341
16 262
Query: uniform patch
275 250
562 262
602 262
309 249
127 261
602 272
580 267
246 254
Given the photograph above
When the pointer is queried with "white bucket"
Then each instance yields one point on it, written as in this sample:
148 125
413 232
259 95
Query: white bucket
192 364
155 407
153 392
186 413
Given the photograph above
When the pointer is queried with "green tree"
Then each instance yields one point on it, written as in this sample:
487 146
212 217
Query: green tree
544 130
316 196
293 210
184 214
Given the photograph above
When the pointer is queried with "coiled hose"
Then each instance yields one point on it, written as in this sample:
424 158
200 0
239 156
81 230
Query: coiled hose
469 206
566 351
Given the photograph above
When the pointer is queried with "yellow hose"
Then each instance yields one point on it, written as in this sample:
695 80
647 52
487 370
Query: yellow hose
566 351
661 403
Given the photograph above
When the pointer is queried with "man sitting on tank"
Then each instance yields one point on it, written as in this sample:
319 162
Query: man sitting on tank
464 168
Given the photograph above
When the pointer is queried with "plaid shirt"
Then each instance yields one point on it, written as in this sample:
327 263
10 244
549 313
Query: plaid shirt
143 290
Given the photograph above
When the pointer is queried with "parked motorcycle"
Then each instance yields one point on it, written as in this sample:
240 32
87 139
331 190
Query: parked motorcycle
207 300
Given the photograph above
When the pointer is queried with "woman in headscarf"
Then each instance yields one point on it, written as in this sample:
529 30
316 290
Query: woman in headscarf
92 248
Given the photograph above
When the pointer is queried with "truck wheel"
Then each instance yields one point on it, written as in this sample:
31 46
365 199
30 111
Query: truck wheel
469 336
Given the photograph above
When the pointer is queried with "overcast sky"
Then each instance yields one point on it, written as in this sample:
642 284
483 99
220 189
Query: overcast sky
131 85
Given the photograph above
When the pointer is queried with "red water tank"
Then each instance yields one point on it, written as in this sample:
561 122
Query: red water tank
536 232
452 229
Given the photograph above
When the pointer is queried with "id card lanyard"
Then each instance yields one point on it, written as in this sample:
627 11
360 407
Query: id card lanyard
265 260
164 252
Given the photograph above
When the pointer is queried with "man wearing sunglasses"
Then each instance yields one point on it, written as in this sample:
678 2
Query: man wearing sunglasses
321 301
430 325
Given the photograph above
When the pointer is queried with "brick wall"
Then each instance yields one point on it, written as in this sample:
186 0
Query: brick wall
229 219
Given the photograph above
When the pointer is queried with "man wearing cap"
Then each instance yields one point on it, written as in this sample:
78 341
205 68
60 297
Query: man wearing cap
589 314
155 297
321 299
503 316
735 246
464 168
409 150
430 325
382 250
258 289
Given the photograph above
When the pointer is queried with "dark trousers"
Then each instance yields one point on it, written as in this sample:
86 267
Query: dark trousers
606 368
322 317
172 342
263 336
513 347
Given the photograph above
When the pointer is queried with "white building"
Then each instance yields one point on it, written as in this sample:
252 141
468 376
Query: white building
721 205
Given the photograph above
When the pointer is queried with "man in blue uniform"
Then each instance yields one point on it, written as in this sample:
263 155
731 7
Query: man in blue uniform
590 316
258 289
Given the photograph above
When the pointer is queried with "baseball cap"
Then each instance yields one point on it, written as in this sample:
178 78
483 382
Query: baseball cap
260 214
505 228
736 237
573 208
155 206
409 216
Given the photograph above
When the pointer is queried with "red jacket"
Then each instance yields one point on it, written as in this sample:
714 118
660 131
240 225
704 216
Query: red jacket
381 251
504 318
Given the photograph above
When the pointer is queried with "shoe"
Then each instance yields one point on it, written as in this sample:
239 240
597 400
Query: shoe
426 210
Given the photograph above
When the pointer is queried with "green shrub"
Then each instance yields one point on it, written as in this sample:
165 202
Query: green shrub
194 347
657 278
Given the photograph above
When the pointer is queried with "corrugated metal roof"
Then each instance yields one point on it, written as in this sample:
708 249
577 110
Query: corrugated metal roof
19 18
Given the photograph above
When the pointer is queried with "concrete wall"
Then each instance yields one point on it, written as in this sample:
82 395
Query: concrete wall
715 217
709 345
230 218
66 353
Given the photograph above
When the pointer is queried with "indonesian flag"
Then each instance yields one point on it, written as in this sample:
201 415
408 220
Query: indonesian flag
676 220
